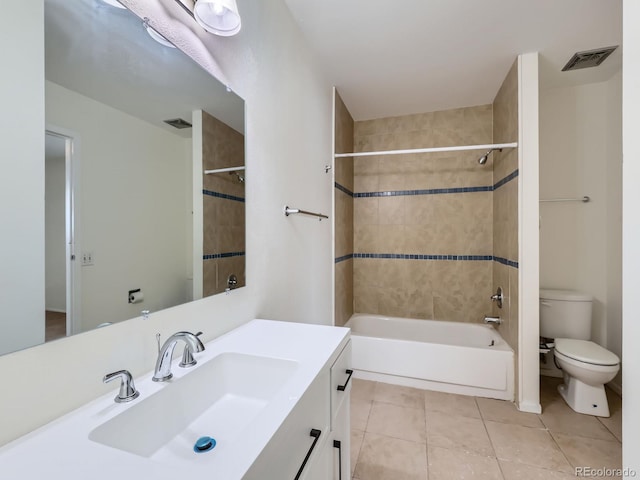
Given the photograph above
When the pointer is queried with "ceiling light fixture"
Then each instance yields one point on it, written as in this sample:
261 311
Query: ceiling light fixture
153 33
219 17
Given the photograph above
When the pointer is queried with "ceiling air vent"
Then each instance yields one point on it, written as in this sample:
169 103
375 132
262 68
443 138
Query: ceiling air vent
178 123
590 58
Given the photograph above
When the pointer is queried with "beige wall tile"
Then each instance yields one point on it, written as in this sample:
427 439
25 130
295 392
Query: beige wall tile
366 211
344 291
366 298
391 210
366 271
460 224
365 239
209 277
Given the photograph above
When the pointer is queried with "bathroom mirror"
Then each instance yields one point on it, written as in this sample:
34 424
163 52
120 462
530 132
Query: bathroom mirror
121 185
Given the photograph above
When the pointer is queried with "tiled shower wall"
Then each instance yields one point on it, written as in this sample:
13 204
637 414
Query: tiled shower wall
423 223
505 206
223 206
433 235
343 193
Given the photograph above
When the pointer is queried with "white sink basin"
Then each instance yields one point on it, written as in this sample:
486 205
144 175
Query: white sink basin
218 399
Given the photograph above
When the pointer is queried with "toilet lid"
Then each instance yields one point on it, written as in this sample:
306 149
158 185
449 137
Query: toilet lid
585 351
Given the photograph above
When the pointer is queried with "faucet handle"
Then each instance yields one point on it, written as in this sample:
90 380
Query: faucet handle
128 390
187 356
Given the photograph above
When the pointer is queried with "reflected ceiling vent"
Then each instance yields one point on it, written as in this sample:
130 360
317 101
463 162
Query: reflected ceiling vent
590 58
178 123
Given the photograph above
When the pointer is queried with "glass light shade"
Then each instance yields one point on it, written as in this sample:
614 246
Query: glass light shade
114 3
219 17
158 37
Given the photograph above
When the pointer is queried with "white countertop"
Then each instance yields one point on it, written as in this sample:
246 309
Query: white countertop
62 449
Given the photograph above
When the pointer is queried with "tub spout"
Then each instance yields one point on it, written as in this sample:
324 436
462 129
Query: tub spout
493 320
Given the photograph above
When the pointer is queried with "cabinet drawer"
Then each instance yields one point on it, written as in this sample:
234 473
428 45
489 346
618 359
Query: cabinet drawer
341 374
283 456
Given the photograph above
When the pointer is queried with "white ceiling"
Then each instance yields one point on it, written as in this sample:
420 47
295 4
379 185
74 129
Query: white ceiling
391 58
104 53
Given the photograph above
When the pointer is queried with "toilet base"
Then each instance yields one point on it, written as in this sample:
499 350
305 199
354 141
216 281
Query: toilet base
584 398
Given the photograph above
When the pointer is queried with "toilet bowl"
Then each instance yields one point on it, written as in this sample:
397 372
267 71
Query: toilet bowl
586 368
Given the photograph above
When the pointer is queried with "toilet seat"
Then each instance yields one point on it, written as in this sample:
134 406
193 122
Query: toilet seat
586 352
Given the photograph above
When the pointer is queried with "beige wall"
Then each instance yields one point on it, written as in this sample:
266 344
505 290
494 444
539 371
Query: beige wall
132 199
505 206
223 218
343 192
396 220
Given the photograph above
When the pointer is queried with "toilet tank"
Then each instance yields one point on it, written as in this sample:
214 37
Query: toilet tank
565 314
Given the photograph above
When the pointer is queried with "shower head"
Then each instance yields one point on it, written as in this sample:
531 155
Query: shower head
483 159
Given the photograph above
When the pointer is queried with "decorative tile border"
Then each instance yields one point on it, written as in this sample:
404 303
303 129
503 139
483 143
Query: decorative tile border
343 189
344 257
431 191
213 256
401 256
211 193
505 261
506 179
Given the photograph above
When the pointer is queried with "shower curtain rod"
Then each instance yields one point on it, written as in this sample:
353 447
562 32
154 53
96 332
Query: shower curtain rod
428 150
222 170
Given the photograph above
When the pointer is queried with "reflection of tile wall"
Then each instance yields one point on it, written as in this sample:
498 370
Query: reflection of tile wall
344 214
223 205
505 206
421 206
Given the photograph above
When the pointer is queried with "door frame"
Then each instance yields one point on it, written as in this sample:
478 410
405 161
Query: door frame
72 222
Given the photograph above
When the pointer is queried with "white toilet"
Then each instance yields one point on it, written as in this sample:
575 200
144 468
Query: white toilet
565 316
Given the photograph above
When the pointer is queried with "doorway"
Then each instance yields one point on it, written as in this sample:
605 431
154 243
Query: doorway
59 235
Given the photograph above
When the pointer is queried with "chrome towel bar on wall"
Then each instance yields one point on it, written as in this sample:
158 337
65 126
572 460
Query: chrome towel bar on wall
584 199
292 211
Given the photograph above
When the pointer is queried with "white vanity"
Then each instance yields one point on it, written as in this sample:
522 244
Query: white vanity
273 395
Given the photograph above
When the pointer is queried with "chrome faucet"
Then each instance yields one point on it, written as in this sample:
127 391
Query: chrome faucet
128 390
162 372
493 320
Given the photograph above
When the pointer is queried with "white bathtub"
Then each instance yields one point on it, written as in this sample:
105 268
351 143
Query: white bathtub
464 358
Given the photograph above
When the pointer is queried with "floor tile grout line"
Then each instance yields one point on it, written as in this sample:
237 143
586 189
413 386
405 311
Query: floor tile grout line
366 424
493 447
562 451
426 433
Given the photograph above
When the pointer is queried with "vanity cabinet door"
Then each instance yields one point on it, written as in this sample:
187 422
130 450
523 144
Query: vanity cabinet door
341 378
340 442
299 440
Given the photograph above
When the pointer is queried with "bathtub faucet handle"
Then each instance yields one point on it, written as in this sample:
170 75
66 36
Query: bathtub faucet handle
493 320
498 297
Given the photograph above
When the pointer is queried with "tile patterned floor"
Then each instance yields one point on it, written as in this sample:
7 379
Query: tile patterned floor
400 433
